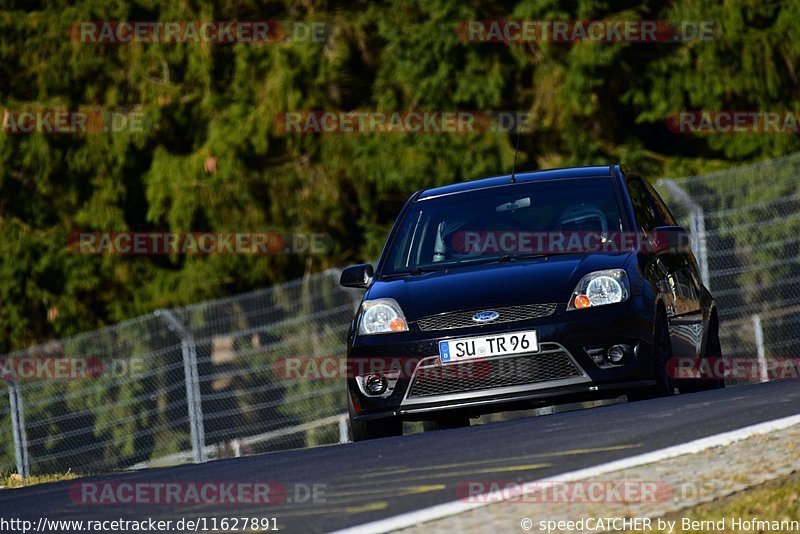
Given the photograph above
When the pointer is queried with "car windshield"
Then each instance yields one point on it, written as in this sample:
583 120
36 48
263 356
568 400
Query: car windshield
505 222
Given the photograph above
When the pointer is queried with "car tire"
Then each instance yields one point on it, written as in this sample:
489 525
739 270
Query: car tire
375 429
713 352
443 423
662 353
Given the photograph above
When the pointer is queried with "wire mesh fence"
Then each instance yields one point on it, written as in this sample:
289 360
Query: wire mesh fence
746 229
104 399
246 350
188 384
261 371
7 459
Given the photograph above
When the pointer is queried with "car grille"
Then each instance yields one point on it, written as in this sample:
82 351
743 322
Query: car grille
508 314
432 378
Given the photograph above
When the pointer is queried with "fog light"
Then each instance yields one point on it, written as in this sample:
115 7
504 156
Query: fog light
616 354
375 384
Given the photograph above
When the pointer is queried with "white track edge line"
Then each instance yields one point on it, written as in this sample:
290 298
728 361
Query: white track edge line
440 511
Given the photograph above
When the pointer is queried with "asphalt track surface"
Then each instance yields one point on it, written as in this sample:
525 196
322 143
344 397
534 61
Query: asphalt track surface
368 481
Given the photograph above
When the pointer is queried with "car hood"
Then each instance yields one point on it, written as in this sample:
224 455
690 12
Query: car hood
483 286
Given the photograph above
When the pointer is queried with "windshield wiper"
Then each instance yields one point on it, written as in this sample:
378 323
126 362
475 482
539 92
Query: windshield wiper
533 255
505 258
413 271
463 263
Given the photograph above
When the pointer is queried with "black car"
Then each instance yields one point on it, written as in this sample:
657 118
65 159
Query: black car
525 290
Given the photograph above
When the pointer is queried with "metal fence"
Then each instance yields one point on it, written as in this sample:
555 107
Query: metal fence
745 224
213 380
188 384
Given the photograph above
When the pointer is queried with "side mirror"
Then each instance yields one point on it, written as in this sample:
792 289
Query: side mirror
357 276
673 239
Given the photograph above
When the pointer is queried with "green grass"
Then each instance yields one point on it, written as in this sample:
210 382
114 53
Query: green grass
774 501
13 480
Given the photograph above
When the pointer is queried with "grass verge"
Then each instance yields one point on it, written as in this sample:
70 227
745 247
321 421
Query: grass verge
13 480
777 500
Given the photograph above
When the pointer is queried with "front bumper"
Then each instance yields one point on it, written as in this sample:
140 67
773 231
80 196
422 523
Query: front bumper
563 367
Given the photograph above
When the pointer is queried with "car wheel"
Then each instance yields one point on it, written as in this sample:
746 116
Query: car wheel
375 429
712 354
662 353
442 423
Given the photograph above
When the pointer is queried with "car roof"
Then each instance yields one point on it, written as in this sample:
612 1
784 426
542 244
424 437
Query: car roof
521 177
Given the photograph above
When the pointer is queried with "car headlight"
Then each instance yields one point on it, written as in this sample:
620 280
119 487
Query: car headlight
381 316
600 288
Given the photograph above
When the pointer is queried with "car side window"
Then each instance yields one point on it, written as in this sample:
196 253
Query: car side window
662 208
643 206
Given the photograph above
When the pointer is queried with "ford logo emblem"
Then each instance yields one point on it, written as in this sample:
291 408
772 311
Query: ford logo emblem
485 316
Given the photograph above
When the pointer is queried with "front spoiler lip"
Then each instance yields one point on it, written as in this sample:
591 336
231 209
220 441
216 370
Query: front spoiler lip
585 387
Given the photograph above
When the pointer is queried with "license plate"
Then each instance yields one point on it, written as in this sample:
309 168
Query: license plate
487 346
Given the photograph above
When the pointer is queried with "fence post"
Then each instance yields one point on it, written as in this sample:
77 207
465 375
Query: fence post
697 222
18 430
344 428
702 247
762 357
191 378
356 295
